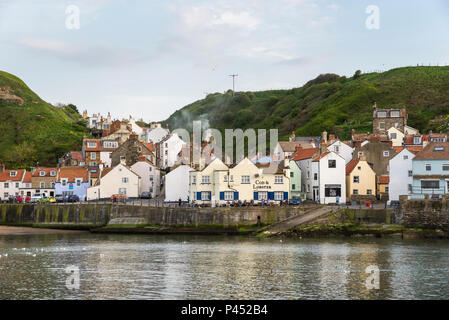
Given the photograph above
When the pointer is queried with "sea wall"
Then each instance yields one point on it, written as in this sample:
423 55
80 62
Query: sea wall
429 214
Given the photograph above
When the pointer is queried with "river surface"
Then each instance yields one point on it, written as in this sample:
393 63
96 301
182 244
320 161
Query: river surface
219 267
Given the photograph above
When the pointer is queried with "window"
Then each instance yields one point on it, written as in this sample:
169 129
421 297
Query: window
405 157
381 114
42 173
409 188
369 192
6 194
430 184
410 173
308 188
278 195
393 135
92 164
293 187
225 178
150 168
416 140
6 185
359 168
166 152
332 163
122 191
336 148
229 195
263 195
291 174
42 185
78 182
355 192
93 156
13 173
245 180
17 184
308 174
52 185
205 195
315 176
438 149
231 179
445 167
428 167
205 180
395 113
91 144
386 189
64 182
332 191
125 180
278 180
382 125
122 158
151 178
386 153
194 180
356 179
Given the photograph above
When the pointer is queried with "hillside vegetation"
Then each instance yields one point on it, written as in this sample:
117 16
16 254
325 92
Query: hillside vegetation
33 130
337 104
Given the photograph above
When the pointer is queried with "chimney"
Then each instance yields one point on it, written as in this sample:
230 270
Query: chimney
324 137
362 157
292 137
2 167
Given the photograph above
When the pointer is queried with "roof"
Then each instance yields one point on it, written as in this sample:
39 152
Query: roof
434 151
77 155
94 172
398 149
320 157
351 165
71 173
414 149
6 175
27 178
105 171
47 171
290 146
403 113
383 179
149 146
303 154
97 148
272 167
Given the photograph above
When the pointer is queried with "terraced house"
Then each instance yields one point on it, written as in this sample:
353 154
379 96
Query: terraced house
10 182
72 181
43 181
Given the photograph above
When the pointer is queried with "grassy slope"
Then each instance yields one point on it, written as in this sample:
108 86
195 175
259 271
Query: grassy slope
329 102
36 130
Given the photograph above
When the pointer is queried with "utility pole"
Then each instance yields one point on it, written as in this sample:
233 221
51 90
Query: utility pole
233 82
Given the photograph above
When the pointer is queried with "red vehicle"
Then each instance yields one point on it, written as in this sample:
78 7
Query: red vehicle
119 198
27 199
19 199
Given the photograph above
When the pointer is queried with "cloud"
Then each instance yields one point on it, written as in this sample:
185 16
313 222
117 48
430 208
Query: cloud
85 54
320 22
333 6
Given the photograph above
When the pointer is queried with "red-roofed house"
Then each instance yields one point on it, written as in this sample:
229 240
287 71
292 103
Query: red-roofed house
150 176
72 181
360 180
10 182
43 181
329 172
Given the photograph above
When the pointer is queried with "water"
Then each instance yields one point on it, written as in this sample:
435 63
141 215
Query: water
215 267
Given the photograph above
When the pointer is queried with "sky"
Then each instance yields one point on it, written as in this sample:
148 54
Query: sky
151 58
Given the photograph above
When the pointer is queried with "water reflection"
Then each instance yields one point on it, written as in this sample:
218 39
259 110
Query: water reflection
195 267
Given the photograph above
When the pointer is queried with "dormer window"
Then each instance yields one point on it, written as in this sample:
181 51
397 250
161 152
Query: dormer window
417 140
42 173
438 149
52 173
381 114
395 114
13 174
91 144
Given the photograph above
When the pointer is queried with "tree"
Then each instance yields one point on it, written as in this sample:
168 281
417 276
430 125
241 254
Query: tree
357 74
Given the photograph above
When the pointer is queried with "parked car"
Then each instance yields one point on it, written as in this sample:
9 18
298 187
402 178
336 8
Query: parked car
44 199
27 199
73 198
59 198
395 204
145 195
295 201
119 198
52 200
37 197
19 199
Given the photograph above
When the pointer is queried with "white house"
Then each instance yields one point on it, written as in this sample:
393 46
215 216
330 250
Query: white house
342 149
118 180
135 128
309 182
10 182
177 183
155 133
331 169
107 147
169 148
149 174
396 136
401 175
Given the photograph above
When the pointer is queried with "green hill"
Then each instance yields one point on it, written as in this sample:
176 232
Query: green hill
337 104
33 130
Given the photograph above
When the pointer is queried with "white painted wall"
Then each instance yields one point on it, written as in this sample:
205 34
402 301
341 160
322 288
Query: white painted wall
334 176
400 165
177 183
170 149
155 135
112 182
105 157
342 149
149 177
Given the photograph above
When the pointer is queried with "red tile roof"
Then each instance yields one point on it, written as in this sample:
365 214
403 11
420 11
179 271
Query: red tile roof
27 178
398 149
320 157
351 165
149 146
78 156
302 154
71 173
105 171
47 171
384 179
92 149
6 175
414 149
